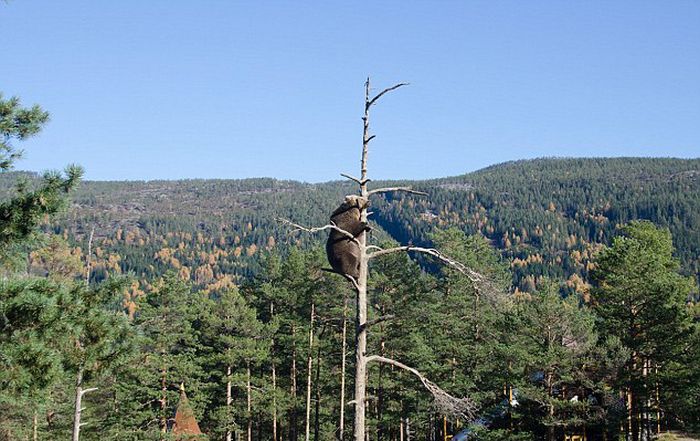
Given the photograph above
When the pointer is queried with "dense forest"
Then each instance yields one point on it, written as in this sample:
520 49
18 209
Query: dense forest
547 217
188 310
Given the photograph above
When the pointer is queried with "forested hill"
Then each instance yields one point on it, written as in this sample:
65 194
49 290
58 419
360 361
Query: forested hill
546 215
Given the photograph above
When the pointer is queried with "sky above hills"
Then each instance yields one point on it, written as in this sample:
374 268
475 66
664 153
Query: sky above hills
181 89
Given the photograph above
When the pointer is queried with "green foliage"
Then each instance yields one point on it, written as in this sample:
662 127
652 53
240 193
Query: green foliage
640 295
232 340
547 217
21 215
640 298
17 123
27 207
190 324
49 332
566 367
29 342
148 389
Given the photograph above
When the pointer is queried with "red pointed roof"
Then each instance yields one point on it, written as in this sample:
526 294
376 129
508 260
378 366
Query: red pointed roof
185 422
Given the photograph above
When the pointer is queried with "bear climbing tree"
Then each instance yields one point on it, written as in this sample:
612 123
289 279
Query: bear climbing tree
343 250
349 254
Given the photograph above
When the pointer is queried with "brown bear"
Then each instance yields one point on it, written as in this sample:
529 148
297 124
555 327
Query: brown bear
344 253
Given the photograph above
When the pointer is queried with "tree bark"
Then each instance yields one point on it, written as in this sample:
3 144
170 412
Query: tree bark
361 290
317 417
79 393
229 400
274 379
250 403
307 433
78 404
380 387
88 257
293 390
343 357
35 426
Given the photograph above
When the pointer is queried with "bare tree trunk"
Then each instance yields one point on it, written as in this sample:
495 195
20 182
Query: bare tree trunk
78 405
361 350
88 258
307 433
250 403
35 426
550 407
274 380
380 387
293 390
229 401
658 403
342 372
79 393
317 417
361 288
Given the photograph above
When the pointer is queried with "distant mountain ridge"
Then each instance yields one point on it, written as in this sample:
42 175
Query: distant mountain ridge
547 216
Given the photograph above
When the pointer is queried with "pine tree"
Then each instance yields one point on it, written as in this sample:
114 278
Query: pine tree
20 215
640 297
99 340
31 349
234 341
148 388
565 366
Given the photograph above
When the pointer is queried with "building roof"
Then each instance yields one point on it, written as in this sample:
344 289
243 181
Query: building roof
185 422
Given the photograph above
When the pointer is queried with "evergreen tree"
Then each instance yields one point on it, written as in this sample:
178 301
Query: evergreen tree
30 350
640 298
565 366
99 341
20 215
235 342
148 390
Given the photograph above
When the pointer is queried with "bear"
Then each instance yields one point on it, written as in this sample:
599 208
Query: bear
344 253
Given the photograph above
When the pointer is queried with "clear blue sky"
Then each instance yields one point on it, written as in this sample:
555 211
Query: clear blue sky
231 89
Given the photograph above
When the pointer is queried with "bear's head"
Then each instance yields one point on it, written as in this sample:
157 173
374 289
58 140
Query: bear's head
353 200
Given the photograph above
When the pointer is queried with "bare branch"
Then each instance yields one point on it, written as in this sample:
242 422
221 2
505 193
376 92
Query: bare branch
298 227
370 138
373 247
349 277
378 320
443 401
351 177
470 273
390 189
352 280
482 283
388 89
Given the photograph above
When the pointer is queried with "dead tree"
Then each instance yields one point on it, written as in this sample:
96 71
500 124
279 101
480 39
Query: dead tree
444 402
78 410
